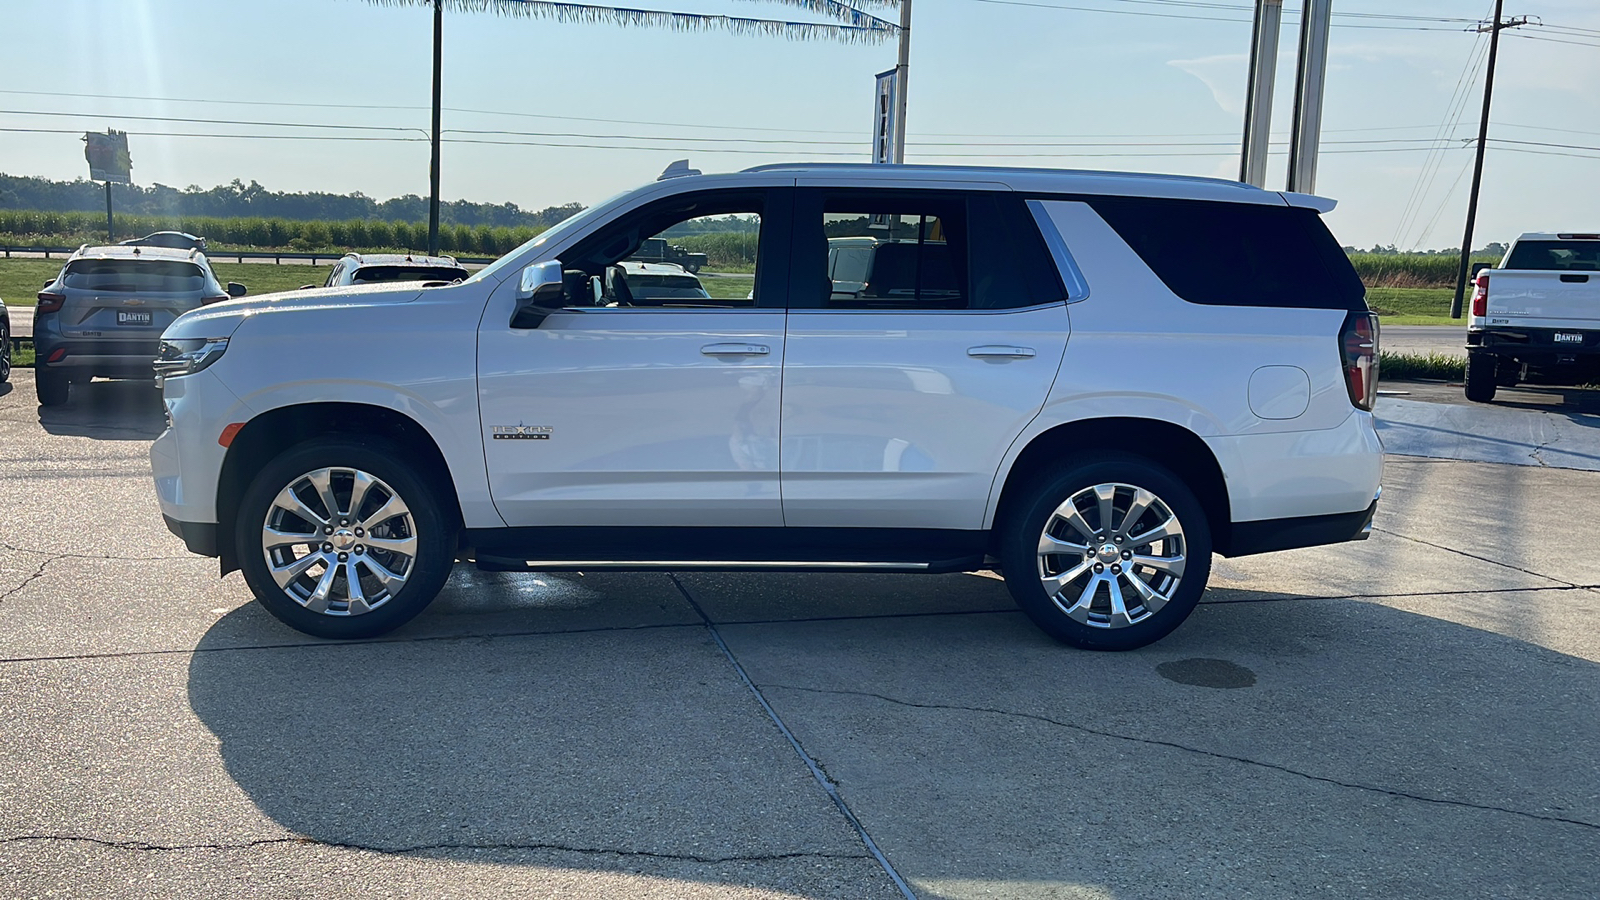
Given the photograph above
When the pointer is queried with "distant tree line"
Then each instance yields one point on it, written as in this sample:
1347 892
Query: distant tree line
240 200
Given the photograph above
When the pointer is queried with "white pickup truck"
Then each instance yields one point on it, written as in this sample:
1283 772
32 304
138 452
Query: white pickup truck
1536 317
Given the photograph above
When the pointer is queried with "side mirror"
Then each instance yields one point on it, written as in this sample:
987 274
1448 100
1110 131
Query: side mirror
1479 267
539 293
308 287
235 289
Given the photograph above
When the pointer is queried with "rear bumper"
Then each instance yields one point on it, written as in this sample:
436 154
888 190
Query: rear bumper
130 359
1538 346
1269 535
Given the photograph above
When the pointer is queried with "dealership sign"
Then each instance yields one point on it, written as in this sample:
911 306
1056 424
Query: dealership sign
108 156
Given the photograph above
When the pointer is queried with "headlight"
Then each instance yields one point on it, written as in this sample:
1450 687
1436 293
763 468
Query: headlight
186 356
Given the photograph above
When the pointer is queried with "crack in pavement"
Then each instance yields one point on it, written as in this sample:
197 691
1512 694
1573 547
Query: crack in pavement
1291 598
1155 742
1493 562
145 846
37 573
6 545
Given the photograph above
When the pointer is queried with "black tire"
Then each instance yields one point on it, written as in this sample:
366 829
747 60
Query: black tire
433 528
53 387
1023 532
5 353
1480 381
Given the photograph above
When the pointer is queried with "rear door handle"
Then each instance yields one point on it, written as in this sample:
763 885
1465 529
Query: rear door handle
735 349
1000 351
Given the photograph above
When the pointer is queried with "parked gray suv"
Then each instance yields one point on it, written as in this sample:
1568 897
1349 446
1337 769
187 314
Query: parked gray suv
103 314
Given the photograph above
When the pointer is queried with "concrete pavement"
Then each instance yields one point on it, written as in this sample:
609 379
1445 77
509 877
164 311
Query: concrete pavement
1409 716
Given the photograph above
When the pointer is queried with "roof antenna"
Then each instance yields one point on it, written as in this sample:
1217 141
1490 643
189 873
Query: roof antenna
677 170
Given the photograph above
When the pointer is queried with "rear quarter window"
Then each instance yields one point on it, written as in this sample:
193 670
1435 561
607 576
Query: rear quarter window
134 276
1237 254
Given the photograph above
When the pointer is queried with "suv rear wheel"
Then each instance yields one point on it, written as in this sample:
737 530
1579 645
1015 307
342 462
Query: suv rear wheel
1107 552
52 387
339 538
5 353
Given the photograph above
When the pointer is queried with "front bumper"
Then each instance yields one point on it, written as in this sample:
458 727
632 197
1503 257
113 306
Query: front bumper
186 460
199 537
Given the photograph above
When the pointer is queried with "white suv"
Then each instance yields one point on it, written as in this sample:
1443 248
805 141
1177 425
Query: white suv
1089 381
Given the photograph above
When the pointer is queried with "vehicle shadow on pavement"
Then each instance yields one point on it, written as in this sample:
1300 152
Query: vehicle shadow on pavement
108 411
1323 747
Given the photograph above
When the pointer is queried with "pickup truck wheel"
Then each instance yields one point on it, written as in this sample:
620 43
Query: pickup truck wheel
1480 380
52 387
342 539
1107 553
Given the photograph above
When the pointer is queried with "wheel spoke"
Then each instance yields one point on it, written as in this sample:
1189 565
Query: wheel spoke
391 507
272 538
403 545
1055 584
1119 607
322 480
1105 494
1171 565
353 589
1147 594
358 491
1049 546
1080 609
1167 529
392 581
288 501
287 574
318 601
1136 510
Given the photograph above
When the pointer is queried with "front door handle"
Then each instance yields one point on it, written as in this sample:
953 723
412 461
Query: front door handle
735 349
1000 351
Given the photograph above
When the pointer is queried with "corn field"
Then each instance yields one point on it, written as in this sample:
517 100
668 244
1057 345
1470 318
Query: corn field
22 228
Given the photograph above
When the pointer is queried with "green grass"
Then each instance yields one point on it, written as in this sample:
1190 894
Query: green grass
729 288
22 356
1412 306
1403 366
21 279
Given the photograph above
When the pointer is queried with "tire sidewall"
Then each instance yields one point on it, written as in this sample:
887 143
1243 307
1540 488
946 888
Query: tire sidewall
1020 539
435 535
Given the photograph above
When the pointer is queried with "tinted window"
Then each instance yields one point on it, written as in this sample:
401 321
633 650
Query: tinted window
1237 254
133 276
901 252
1011 266
1582 256
369 274
676 287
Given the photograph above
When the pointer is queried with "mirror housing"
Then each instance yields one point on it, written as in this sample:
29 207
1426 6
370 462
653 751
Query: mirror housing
540 292
235 289
1478 267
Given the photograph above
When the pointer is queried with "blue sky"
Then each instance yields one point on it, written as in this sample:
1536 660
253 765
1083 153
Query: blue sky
1155 92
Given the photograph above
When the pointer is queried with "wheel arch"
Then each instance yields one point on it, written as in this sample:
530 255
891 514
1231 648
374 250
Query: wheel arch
274 431
1177 448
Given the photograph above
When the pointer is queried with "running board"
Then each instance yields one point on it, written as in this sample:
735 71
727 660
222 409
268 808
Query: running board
502 564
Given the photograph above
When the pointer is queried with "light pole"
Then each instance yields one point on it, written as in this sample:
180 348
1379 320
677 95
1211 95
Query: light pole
1258 97
433 167
902 74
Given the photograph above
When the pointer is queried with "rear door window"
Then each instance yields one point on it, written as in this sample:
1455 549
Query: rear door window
1571 256
1237 254
135 276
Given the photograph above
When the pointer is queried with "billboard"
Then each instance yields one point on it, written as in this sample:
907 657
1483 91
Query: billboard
886 102
108 156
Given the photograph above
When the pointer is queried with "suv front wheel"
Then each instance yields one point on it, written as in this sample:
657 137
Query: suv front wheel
1107 552
340 539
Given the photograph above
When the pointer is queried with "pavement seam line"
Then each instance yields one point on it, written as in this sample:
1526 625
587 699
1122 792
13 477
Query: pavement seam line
145 846
1464 593
821 778
1155 742
1494 562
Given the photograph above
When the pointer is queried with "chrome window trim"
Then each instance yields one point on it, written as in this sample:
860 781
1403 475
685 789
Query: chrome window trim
1071 275
921 311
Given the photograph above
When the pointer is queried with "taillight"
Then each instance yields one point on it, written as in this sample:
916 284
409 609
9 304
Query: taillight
49 302
1480 295
1358 345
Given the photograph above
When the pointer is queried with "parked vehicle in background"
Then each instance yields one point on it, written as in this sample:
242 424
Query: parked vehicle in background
1215 396
375 268
660 251
5 342
658 284
1536 317
174 240
103 313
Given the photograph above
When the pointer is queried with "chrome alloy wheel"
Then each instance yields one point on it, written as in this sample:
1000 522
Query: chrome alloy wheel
1111 555
339 541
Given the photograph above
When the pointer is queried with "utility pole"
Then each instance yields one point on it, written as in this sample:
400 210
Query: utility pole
1494 28
1258 97
433 168
902 74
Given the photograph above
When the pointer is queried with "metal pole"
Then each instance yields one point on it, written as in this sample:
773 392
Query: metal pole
1306 134
1477 170
111 232
433 168
1258 99
902 76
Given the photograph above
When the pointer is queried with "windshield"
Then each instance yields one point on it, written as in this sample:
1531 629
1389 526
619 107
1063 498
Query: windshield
370 274
134 276
497 268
